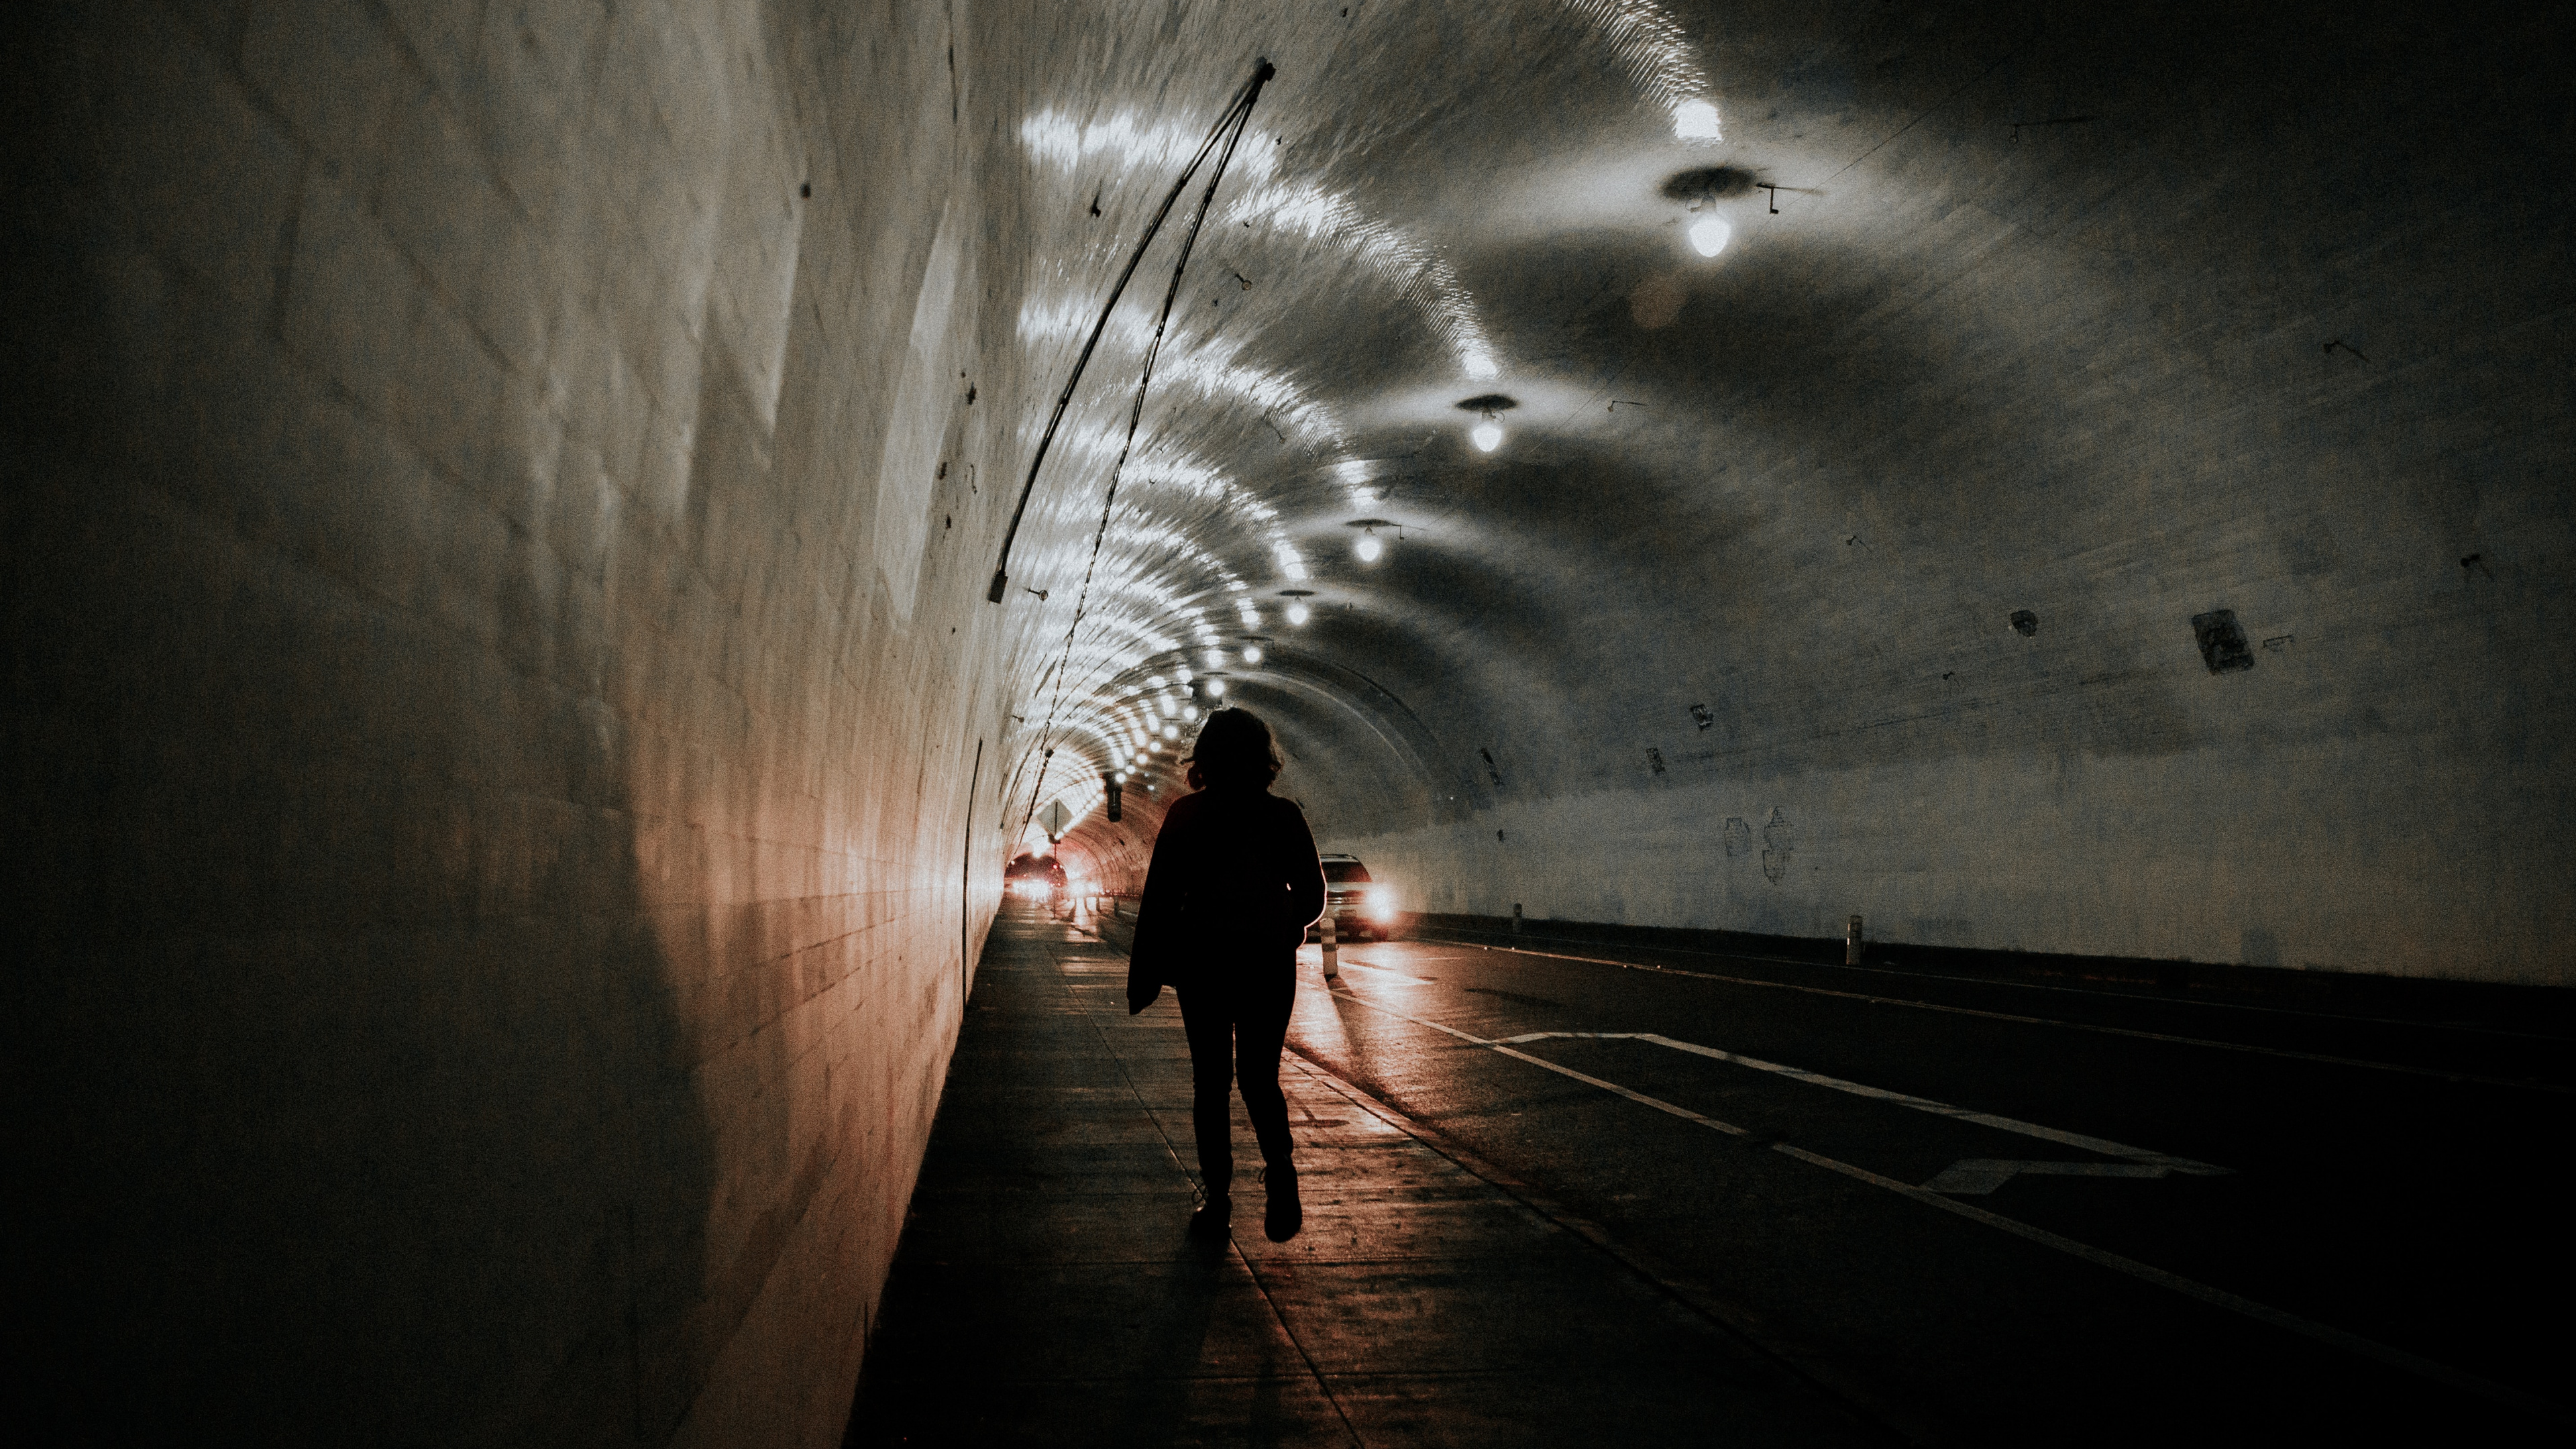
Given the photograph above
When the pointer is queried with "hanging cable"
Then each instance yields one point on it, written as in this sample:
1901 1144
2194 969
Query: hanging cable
1235 114
1237 117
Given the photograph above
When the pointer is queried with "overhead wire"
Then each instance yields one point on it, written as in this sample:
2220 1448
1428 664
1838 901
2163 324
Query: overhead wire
1240 107
1230 127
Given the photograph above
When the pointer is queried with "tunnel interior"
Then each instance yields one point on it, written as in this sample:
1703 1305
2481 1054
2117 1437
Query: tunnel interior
534 632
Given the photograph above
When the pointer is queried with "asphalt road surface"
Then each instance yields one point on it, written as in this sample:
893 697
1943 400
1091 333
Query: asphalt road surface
1992 1211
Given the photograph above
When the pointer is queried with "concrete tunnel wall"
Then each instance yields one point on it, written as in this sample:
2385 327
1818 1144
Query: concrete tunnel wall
512 764
499 666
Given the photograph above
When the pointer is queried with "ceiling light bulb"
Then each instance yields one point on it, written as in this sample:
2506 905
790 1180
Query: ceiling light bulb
1216 687
1189 711
1296 613
1168 709
1120 777
1252 654
1186 676
1709 237
1488 436
1216 659
1695 121
1368 548
1171 732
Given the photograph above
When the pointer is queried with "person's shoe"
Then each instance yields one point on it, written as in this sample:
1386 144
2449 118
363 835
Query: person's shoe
1212 1219
1286 1214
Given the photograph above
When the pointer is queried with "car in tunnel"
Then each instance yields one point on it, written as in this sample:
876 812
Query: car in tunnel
1359 906
1036 878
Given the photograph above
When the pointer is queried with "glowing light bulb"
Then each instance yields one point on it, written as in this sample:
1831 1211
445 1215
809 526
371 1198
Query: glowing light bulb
1708 237
1216 659
1186 676
1695 121
1171 732
1189 711
1488 436
1368 548
1296 613
1252 654
1216 687
1168 710
1120 777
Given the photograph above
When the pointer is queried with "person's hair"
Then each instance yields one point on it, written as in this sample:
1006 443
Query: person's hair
1234 748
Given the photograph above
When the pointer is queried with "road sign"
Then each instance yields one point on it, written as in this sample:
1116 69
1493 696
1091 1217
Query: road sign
1055 818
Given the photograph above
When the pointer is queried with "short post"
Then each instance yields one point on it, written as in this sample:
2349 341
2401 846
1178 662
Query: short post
1851 943
1332 956
1516 918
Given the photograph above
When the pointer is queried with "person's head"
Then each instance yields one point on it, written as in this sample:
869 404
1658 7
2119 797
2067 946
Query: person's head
1235 751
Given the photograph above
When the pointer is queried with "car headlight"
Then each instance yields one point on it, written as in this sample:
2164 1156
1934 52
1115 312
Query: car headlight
1381 904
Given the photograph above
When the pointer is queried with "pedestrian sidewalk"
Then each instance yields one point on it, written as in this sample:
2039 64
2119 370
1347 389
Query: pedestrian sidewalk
1045 1292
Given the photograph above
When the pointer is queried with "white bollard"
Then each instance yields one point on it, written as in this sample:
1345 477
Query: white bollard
1332 956
1851 943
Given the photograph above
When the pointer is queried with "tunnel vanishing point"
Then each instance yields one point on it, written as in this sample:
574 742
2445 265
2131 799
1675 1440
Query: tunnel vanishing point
513 745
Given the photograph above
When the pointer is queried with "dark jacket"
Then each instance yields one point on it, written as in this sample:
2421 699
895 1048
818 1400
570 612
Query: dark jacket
1233 886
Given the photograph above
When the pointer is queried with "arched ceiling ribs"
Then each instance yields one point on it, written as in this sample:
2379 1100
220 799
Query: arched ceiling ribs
1308 210
1380 715
1651 46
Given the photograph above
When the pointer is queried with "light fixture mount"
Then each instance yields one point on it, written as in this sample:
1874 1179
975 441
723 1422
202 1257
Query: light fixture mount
1701 185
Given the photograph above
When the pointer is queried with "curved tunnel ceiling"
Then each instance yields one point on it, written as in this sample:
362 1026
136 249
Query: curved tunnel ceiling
2009 311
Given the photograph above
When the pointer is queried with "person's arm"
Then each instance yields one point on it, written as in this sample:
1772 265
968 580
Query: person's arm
1156 907
1303 869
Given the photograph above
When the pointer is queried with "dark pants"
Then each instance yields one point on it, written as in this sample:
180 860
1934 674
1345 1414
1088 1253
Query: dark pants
1235 1030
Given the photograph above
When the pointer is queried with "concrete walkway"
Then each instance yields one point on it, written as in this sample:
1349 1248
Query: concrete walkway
1045 1292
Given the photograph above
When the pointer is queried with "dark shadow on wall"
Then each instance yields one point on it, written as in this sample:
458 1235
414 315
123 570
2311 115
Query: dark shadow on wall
353 1095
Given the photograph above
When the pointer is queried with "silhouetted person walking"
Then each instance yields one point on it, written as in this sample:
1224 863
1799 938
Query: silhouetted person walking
1233 886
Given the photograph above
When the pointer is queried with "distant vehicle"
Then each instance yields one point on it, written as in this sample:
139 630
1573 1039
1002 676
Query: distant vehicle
1358 905
1035 878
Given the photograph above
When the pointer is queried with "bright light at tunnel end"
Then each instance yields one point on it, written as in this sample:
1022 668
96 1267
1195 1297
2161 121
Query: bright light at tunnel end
1696 121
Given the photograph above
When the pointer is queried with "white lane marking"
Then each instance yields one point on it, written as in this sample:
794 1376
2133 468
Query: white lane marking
2225 1046
2097 993
1660 1105
2352 1343
1978 1176
2102 1145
